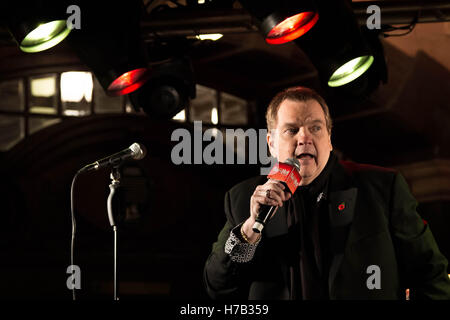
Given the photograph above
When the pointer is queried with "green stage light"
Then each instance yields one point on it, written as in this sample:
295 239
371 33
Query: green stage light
45 36
350 71
347 56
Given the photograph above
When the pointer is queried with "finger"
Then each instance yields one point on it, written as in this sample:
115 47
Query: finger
270 184
267 201
276 191
280 188
276 182
274 194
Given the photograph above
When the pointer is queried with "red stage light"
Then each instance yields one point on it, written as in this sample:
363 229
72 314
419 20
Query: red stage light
292 27
128 82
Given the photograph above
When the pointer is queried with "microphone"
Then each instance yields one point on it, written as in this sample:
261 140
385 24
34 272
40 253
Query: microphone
288 173
136 152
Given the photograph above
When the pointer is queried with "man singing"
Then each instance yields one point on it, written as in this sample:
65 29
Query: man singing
350 231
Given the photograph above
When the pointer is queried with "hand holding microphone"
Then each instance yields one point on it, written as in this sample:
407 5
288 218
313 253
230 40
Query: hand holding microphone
284 178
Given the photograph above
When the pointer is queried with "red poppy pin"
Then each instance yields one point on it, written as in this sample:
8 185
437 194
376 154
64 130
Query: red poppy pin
341 206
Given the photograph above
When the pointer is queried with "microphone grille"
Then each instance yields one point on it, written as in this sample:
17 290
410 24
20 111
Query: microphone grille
293 162
138 151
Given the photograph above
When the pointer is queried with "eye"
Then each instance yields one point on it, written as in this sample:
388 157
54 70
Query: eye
291 131
315 128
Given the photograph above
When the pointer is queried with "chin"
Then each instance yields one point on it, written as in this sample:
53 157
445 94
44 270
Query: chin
305 176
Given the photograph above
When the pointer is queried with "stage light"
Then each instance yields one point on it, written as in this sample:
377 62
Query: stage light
350 71
214 116
347 63
210 36
288 29
45 36
168 90
207 36
36 27
337 48
110 44
283 21
128 82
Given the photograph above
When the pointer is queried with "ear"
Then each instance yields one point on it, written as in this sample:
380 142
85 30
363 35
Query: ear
329 142
272 143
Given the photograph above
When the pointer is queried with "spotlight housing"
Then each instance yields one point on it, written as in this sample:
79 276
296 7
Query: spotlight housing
338 48
35 27
279 28
168 90
110 44
283 21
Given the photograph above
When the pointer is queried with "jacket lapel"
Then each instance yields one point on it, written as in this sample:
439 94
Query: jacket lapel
342 201
341 212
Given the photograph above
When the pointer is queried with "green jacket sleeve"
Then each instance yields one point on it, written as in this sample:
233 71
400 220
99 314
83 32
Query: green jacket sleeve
223 278
423 268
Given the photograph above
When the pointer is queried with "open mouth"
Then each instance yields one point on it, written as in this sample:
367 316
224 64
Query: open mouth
305 155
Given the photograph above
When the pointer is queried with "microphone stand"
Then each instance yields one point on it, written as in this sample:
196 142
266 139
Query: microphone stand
115 183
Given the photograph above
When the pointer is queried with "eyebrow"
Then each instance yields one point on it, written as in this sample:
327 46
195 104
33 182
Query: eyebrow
295 124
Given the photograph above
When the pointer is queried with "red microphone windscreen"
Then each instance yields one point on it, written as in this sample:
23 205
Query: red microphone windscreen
287 173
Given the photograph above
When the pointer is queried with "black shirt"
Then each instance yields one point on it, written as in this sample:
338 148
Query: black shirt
309 209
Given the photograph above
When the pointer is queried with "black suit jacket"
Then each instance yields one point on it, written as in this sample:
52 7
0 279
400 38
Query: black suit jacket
379 226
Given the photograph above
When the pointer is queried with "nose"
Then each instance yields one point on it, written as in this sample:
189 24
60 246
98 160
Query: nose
304 136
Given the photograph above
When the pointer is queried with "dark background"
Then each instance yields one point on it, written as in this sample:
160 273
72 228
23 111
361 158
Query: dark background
402 123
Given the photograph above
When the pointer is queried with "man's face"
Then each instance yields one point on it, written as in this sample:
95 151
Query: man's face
301 132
